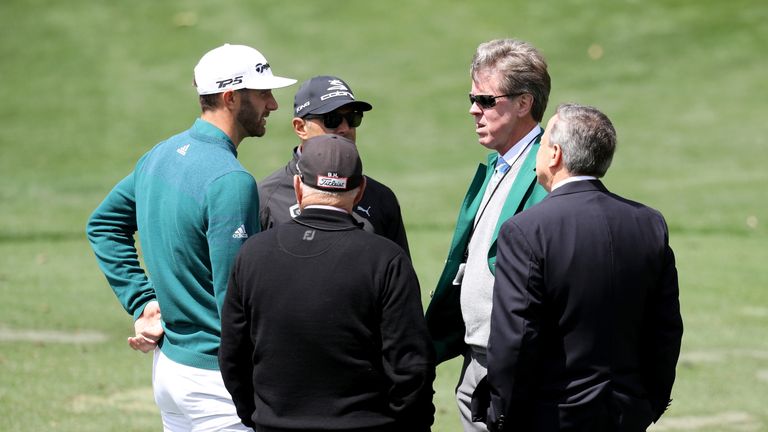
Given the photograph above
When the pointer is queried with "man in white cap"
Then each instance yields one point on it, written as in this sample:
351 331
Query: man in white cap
193 205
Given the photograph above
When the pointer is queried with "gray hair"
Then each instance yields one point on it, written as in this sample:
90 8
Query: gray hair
586 137
522 69
324 197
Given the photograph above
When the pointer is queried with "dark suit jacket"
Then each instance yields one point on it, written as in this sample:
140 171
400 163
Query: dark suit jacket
586 325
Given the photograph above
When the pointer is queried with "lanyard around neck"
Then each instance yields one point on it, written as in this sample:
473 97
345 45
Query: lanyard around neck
496 187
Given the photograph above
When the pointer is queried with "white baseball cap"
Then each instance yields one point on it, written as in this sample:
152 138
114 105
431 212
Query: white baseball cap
233 67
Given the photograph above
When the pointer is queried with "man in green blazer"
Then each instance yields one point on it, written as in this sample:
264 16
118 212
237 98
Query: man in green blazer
510 89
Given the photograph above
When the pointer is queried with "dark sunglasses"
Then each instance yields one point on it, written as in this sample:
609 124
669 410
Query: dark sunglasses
488 101
333 119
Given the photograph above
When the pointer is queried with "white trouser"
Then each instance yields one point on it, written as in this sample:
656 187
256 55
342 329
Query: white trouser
192 399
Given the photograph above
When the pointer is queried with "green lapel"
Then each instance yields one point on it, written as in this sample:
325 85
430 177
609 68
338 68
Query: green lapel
443 313
516 200
469 208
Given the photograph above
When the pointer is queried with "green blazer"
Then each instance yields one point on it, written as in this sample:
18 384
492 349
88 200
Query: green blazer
443 315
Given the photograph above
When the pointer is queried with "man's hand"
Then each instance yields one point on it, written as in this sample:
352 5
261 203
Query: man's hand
148 329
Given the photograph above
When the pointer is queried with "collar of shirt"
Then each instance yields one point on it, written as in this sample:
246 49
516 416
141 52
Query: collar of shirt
212 132
511 155
572 179
326 207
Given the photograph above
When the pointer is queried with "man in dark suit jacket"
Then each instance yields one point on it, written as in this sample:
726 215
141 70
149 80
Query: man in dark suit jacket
586 326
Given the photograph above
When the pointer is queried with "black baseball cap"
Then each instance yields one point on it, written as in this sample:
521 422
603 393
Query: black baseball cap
323 94
330 163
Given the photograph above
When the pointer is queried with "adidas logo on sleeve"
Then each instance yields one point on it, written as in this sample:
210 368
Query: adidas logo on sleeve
240 232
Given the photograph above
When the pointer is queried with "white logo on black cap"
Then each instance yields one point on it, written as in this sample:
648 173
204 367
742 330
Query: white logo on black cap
336 94
302 106
336 85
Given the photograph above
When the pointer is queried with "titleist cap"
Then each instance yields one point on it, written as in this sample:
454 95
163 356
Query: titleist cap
330 163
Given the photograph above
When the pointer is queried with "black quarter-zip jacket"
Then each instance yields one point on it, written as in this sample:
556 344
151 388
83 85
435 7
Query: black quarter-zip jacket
323 329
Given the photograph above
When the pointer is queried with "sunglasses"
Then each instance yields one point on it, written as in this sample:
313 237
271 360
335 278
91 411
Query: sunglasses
333 119
488 101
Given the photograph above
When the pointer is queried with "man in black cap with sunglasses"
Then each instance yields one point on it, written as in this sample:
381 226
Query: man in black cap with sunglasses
326 105
322 325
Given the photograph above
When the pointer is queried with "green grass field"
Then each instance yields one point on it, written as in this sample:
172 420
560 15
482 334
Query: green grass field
87 87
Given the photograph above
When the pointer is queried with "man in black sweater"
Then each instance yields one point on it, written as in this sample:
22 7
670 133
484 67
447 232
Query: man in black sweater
322 326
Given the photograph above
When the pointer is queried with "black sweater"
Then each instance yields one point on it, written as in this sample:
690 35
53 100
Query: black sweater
323 329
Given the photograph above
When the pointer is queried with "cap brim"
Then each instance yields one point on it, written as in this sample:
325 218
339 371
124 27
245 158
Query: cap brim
269 83
356 105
